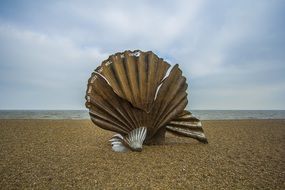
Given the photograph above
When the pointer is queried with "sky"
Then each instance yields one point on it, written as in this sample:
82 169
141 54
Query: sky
231 52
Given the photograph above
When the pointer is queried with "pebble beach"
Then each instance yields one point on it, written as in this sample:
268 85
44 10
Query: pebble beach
74 154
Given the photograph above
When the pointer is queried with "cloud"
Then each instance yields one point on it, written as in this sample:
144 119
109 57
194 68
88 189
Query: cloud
41 71
231 52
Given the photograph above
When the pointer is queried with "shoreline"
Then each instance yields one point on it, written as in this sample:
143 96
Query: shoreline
88 119
73 154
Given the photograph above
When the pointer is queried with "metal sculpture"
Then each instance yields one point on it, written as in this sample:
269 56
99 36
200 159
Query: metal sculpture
132 94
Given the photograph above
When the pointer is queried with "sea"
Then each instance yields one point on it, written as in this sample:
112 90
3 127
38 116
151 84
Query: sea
201 114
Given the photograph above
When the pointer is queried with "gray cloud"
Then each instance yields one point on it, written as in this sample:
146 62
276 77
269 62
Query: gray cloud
231 52
38 71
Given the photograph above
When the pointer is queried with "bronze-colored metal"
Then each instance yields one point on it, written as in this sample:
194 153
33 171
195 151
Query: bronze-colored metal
188 126
130 90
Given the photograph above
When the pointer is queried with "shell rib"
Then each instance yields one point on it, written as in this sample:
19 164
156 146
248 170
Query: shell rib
188 126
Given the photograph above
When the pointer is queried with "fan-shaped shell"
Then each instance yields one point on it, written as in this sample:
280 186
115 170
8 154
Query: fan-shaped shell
130 90
134 140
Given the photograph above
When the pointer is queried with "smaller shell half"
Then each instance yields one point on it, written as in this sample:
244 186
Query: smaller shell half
133 141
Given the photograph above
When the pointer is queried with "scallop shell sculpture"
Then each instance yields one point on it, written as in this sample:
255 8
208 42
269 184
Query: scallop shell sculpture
132 93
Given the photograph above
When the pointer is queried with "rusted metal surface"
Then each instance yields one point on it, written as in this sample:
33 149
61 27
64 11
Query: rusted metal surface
130 90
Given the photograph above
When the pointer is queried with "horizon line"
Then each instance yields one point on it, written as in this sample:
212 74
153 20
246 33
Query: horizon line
190 109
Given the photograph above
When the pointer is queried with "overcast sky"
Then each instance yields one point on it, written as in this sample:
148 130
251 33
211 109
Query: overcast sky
232 52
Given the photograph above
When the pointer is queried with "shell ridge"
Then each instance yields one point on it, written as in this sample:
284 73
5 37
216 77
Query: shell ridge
142 78
108 73
180 94
112 108
125 112
150 80
191 127
106 125
174 92
111 121
162 101
130 68
118 105
120 72
171 108
113 112
171 115
155 76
